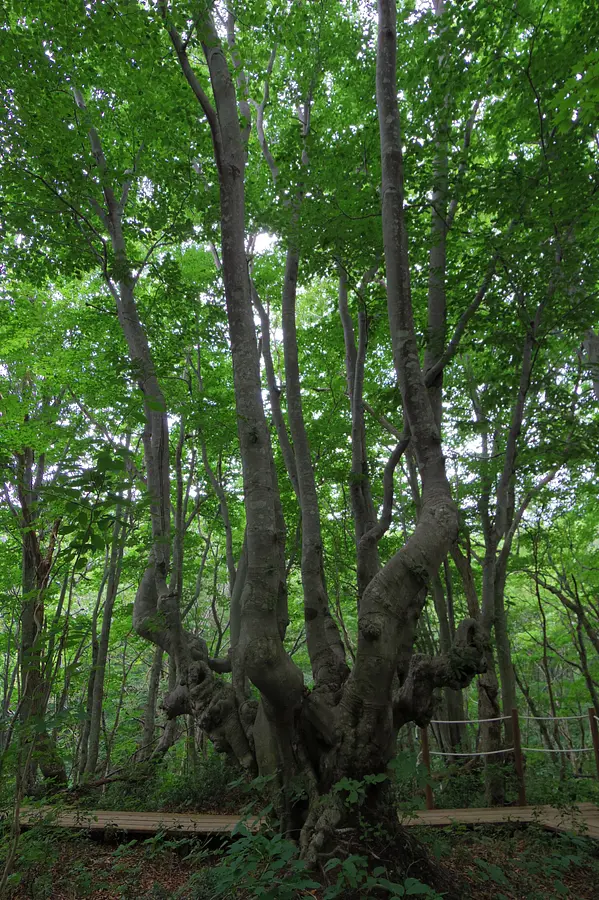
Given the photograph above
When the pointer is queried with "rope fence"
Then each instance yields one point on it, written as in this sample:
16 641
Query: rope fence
553 718
518 750
558 749
481 753
466 721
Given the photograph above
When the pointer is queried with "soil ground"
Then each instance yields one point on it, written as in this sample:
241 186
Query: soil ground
498 863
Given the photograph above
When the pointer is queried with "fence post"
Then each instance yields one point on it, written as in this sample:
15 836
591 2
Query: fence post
595 736
426 758
518 759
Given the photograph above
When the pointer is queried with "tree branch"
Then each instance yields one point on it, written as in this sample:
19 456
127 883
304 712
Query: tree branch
192 79
260 107
274 391
382 526
415 700
453 345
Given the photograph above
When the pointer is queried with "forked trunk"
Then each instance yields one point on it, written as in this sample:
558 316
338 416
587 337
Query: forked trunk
350 728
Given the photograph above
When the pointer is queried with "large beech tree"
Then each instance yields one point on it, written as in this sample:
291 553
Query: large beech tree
347 724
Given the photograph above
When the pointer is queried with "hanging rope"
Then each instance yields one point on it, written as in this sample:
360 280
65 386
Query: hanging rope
466 721
553 718
560 750
482 753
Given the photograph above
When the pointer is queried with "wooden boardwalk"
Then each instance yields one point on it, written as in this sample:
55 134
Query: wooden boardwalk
584 819
134 822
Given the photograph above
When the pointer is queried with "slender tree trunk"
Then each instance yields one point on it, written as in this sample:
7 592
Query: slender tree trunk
114 574
147 741
368 562
84 739
36 569
489 705
453 735
591 346
504 653
584 665
534 711
487 683
172 727
327 654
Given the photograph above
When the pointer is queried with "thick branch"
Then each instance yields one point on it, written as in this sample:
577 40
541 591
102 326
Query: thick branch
416 699
274 391
325 648
192 79
260 648
392 603
382 526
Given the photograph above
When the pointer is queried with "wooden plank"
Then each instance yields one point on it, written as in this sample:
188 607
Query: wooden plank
583 820
136 822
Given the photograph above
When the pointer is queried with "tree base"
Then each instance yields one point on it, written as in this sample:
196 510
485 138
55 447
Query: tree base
384 842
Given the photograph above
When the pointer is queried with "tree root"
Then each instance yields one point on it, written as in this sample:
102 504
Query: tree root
320 827
379 837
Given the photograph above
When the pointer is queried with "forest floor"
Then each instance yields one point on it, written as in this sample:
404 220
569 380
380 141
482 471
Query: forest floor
493 863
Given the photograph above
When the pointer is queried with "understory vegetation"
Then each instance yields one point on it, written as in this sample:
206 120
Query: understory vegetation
299 418
504 862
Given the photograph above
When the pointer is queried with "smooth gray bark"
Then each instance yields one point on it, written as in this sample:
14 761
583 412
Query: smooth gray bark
149 729
591 347
326 651
364 513
114 573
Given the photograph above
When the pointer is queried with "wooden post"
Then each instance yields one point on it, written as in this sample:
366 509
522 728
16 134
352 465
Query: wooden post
594 735
426 758
518 758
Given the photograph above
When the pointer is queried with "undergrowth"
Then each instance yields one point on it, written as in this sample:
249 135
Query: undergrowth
213 787
499 863
460 785
507 863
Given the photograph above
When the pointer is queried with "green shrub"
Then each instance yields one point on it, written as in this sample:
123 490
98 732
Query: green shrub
262 866
37 852
209 788
201 886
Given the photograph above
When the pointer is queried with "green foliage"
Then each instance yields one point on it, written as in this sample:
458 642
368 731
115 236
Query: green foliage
39 849
211 786
525 79
491 872
202 885
356 790
353 875
410 778
264 866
